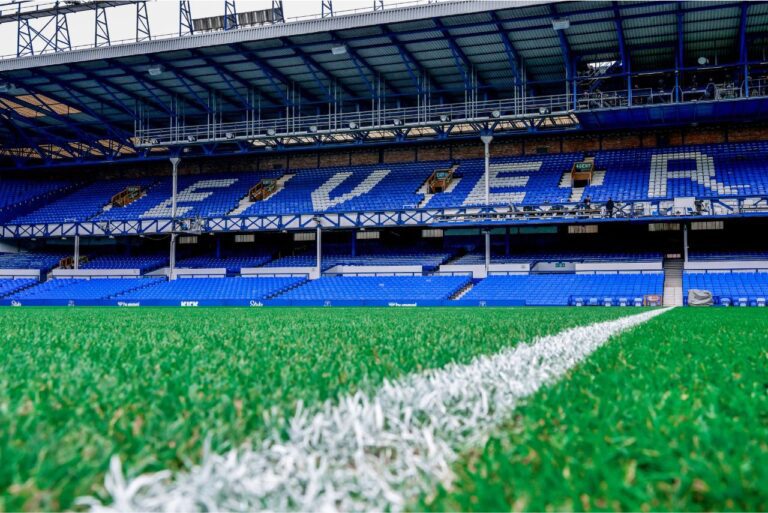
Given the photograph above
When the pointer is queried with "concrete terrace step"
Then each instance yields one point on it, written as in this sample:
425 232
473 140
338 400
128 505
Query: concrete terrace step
673 282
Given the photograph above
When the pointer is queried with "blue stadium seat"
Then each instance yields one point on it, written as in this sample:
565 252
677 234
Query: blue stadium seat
729 287
182 289
566 289
378 288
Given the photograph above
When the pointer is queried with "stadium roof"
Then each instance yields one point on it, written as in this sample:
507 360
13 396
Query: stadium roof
97 96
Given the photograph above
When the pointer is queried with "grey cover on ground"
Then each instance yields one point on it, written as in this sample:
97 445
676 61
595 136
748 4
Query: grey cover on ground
699 297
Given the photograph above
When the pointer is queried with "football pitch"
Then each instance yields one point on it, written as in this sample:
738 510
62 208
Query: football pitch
477 409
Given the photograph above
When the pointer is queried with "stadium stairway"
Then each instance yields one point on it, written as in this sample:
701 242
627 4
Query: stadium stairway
245 203
466 288
673 282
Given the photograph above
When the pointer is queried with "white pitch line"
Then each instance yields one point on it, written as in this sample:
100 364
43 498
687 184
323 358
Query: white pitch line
368 453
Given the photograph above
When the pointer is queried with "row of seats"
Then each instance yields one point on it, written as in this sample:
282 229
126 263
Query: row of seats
30 260
426 260
532 258
9 286
255 288
532 290
729 288
378 288
82 289
700 256
232 263
15 193
143 263
736 169
565 289
536 289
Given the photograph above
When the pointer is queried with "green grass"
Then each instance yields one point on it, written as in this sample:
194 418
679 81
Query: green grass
78 385
670 416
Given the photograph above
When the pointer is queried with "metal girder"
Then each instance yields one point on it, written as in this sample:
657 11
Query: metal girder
61 37
359 62
230 15
45 110
186 26
314 67
115 103
513 56
36 11
463 64
22 134
626 63
282 97
150 89
275 77
326 8
49 137
278 15
101 28
406 57
142 23
743 54
679 54
227 76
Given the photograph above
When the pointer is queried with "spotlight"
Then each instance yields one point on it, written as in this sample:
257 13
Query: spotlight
397 122
191 138
155 70
229 136
154 141
339 50
543 110
271 132
352 125
496 114
313 129
445 118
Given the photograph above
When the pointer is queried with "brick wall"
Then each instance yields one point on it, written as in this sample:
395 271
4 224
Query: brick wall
306 161
507 148
468 151
532 146
273 162
587 143
334 159
364 158
394 155
747 133
694 136
441 152
620 142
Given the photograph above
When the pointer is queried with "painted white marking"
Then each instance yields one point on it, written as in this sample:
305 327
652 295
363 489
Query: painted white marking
188 195
368 453
477 196
704 174
321 197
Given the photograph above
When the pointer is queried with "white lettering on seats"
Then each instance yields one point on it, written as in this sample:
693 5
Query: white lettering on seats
477 196
188 195
704 174
321 197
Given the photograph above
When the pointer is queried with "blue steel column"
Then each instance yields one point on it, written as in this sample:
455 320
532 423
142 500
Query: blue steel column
743 56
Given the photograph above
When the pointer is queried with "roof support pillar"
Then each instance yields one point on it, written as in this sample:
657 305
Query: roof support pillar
172 256
487 137
679 59
743 54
